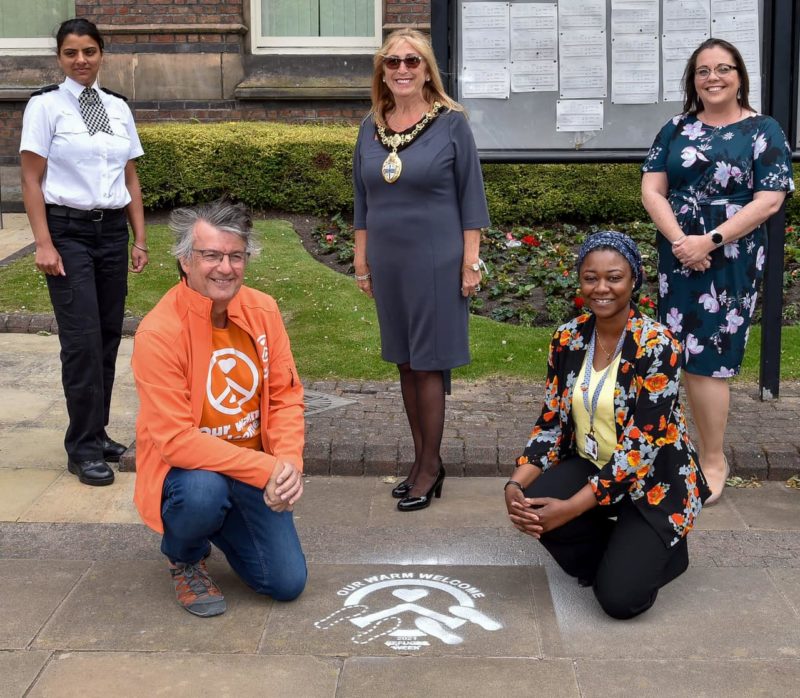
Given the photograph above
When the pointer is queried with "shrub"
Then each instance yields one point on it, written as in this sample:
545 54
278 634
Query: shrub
294 168
306 168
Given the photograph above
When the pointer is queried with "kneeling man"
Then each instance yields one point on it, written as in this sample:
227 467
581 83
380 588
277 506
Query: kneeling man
219 436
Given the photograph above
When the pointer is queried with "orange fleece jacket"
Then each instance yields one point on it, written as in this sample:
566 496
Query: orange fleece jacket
171 355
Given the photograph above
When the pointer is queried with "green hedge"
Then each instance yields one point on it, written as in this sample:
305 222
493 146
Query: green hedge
307 169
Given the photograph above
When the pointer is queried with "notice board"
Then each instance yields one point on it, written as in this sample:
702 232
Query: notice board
587 75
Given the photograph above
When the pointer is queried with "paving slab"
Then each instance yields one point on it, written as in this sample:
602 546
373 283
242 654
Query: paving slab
20 488
688 678
466 502
772 506
103 674
131 606
32 447
71 541
69 501
705 613
721 516
336 501
385 610
18 669
32 590
788 581
402 677
16 237
31 359
24 404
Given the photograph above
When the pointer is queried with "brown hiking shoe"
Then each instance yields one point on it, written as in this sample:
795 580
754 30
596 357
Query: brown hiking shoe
195 590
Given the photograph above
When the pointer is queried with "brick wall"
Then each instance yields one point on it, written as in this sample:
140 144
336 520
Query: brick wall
407 12
161 11
10 130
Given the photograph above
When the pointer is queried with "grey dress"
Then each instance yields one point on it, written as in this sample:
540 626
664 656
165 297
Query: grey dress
415 239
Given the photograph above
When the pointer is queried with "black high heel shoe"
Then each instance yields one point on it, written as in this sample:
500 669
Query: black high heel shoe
400 491
424 501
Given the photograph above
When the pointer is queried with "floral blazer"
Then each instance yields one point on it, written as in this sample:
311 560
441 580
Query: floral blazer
654 462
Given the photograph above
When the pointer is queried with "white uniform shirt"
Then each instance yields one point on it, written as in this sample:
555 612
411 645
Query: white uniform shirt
83 171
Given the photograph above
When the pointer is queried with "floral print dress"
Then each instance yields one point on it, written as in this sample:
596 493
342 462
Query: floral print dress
713 173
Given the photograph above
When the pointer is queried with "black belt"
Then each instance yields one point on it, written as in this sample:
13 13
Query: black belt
95 215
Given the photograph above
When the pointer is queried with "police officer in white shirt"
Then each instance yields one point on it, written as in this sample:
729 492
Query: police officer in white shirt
80 189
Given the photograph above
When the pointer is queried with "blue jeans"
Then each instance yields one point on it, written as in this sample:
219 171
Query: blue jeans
261 545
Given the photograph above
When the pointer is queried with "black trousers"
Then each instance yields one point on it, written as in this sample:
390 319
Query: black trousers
625 560
89 303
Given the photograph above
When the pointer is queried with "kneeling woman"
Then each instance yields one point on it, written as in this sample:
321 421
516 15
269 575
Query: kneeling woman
609 481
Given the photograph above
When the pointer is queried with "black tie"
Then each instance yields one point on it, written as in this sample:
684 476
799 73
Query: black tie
93 112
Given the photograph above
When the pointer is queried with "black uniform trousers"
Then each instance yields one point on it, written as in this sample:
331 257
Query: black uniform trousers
625 560
89 303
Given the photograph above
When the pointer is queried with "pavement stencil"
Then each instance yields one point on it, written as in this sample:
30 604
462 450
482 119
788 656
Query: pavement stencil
387 610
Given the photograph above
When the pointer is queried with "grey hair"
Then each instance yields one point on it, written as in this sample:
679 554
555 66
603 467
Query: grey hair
220 214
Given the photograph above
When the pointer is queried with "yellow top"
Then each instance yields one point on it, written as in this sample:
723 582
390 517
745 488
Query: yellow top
605 430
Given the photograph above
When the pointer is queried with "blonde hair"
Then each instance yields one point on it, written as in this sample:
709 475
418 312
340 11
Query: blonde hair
432 90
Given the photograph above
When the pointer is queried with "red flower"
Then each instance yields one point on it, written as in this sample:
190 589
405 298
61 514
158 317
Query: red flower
531 240
579 302
789 228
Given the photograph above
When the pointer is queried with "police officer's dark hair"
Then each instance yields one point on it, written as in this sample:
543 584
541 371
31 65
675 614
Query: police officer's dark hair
81 27
221 214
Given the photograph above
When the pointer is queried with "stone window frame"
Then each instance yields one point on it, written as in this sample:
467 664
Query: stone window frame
260 45
33 45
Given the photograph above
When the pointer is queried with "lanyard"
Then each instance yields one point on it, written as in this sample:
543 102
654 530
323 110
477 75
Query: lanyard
588 376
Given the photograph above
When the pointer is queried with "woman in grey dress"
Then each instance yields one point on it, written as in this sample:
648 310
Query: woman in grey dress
419 208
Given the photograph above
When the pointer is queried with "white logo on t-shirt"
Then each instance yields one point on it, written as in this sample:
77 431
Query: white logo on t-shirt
230 400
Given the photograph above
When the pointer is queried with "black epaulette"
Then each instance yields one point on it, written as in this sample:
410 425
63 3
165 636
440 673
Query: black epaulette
46 88
114 94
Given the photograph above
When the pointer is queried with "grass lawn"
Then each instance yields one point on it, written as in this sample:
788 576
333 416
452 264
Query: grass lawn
333 327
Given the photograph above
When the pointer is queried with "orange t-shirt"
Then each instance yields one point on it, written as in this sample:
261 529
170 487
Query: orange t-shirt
231 409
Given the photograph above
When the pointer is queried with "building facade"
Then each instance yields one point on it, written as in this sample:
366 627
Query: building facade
205 60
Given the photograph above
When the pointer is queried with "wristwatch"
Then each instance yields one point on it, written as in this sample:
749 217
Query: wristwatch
716 238
475 266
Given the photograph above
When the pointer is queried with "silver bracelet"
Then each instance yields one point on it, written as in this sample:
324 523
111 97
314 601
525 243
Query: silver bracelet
362 277
139 247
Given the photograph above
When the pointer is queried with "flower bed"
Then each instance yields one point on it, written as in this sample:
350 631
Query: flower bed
532 279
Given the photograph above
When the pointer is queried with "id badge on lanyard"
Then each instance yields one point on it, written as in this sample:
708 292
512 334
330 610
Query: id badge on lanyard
590 446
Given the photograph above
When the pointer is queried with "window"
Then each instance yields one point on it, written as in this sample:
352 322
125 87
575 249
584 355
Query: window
29 26
307 26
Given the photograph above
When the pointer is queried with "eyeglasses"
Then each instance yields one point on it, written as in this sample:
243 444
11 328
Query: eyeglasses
236 259
720 71
393 62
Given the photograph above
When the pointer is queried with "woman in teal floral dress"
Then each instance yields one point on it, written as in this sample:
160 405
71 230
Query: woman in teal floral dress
713 176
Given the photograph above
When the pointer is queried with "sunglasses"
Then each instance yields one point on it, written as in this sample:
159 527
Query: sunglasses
393 62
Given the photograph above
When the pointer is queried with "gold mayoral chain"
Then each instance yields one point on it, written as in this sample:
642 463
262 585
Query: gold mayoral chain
392 165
